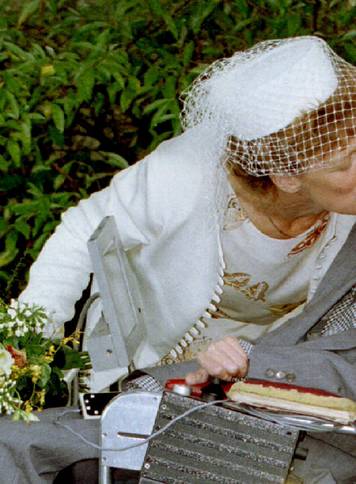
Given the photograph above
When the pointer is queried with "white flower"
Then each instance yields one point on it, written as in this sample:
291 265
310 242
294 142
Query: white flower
11 312
5 361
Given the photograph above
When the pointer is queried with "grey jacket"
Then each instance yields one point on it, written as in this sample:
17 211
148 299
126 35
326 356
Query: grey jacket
297 350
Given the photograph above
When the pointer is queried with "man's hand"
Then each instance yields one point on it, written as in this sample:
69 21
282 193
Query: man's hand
224 359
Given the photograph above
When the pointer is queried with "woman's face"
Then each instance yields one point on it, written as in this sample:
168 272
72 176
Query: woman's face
334 188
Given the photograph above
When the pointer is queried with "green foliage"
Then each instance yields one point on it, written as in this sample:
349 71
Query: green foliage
87 87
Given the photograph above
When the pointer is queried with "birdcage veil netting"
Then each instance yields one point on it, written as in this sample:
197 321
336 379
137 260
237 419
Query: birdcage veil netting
282 107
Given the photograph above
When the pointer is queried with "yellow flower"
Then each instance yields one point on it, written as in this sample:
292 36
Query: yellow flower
41 395
28 407
74 338
36 372
17 372
52 350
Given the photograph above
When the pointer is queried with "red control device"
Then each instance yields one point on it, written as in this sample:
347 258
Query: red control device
215 389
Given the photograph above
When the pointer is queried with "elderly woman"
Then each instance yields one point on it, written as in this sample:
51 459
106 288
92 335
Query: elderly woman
229 227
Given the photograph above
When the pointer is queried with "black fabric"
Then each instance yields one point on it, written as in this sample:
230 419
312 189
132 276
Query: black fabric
82 472
87 472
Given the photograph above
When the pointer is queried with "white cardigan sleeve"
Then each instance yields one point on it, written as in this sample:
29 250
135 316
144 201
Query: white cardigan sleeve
62 270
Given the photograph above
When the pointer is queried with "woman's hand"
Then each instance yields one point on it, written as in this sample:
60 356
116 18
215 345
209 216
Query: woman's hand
224 359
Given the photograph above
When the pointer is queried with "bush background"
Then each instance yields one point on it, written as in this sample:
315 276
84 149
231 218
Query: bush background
88 87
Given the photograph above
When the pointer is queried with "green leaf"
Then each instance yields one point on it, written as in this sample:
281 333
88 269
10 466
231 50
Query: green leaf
113 89
200 13
3 140
188 53
15 152
28 10
45 375
72 359
169 87
151 75
158 103
156 7
3 227
119 79
85 84
350 50
171 25
126 98
98 102
11 251
16 50
35 349
58 181
4 276
26 135
101 41
58 117
350 35
23 227
293 24
161 118
56 136
14 111
37 117
243 7
242 24
39 51
10 182
89 28
4 164
70 104
115 159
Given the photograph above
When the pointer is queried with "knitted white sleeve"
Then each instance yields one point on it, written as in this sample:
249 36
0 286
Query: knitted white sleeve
62 270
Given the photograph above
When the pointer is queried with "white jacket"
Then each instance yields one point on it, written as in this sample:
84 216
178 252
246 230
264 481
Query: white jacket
164 211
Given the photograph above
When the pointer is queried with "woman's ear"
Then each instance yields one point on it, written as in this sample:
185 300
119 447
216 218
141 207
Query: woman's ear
289 184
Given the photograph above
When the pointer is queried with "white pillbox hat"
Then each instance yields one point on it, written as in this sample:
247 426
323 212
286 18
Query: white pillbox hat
266 92
258 103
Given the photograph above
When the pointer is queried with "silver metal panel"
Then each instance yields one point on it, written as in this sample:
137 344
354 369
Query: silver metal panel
217 444
128 419
100 347
120 296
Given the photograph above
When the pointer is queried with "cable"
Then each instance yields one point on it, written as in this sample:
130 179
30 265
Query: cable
74 390
83 314
281 420
58 422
